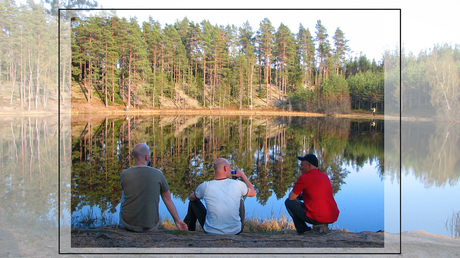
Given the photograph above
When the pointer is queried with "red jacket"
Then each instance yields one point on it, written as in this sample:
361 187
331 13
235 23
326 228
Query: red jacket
317 196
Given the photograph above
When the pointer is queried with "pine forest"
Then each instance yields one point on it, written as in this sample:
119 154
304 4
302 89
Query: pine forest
197 64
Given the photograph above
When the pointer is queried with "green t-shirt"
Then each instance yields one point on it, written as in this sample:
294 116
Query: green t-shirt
142 187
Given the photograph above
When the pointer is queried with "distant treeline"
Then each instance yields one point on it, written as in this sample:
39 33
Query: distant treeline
221 66
216 66
28 55
430 83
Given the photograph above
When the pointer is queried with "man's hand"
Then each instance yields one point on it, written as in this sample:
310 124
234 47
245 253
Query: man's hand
181 225
192 197
300 197
251 190
166 196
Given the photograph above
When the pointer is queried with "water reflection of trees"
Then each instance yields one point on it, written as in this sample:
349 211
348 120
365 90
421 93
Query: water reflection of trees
28 161
453 224
431 152
185 147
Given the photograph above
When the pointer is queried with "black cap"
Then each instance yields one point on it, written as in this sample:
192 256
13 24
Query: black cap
311 159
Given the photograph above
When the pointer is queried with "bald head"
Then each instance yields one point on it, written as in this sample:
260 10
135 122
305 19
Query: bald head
222 168
141 153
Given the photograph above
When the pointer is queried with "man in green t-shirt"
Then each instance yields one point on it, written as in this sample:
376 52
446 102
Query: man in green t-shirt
142 187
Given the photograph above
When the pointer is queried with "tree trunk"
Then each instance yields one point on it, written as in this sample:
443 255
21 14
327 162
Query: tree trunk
30 80
129 78
22 86
162 79
252 72
154 61
204 80
37 73
241 87
105 79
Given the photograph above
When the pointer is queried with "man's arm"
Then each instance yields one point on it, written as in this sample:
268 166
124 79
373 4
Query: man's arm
251 190
192 197
166 196
292 196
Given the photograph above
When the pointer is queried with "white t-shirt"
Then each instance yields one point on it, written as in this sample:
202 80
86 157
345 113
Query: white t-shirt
222 198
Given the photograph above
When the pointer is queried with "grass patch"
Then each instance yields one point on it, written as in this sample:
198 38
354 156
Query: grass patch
271 225
268 225
251 225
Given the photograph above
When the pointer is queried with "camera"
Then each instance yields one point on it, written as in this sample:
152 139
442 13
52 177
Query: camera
234 172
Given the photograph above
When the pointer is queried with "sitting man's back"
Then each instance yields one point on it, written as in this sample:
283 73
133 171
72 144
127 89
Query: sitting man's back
142 187
222 198
224 211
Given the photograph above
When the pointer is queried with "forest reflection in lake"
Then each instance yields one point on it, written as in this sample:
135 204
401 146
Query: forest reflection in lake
185 147
30 171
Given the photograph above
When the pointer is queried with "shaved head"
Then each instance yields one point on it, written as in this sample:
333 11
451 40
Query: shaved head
219 166
140 150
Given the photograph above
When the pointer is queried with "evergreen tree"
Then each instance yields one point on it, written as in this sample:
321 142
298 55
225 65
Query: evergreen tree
247 42
363 63
10 59
323 51
341 49
134 59
153 43
266 39
285 52
69 4
112 54
175 54
205 49
307 56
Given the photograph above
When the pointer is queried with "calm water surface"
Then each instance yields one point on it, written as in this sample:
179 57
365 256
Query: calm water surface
184 148
430 167
361 204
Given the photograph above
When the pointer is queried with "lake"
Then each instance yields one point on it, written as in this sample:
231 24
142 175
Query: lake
30 158
185 147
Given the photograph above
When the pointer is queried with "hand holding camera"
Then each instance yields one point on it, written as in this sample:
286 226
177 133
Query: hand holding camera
236 173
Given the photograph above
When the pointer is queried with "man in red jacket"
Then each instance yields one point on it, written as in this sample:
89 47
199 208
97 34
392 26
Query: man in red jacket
319 207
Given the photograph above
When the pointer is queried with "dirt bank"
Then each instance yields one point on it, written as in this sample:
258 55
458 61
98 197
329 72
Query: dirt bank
83 109
114 237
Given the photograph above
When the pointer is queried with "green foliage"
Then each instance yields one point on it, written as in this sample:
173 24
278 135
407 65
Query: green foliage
303 100
336 94
306 50
367 89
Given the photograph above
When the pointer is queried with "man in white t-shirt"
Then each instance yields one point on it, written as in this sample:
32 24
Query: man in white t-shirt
224 212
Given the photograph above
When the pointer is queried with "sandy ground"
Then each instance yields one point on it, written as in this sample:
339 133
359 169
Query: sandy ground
83 109
120 243
173 238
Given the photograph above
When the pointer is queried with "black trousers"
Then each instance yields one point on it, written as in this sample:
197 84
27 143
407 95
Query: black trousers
197 211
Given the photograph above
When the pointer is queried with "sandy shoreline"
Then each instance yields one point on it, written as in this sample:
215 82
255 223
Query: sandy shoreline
408 244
